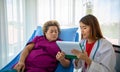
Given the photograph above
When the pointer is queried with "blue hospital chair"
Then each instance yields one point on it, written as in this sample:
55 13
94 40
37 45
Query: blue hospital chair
117 51
68 34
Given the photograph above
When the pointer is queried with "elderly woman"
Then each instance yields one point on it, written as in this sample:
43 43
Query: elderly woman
39 55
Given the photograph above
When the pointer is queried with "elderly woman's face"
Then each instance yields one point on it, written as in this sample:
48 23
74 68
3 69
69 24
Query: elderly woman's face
52 33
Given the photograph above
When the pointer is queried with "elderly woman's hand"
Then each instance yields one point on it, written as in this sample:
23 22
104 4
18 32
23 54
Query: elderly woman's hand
20 66
60 56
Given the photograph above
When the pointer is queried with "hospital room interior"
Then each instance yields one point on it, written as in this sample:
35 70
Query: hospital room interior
21 20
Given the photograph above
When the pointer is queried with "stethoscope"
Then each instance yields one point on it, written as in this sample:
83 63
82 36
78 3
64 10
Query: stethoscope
82 46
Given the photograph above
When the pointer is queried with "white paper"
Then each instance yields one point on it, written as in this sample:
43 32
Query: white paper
67 46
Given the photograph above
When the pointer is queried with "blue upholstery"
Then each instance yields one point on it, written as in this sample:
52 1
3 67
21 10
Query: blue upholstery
60 68
69 34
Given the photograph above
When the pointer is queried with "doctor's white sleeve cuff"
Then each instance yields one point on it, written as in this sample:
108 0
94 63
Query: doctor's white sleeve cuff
79 65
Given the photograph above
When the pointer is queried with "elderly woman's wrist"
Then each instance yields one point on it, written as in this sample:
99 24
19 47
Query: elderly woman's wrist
61 60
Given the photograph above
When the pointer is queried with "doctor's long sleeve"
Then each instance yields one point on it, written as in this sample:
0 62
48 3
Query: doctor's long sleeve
104 63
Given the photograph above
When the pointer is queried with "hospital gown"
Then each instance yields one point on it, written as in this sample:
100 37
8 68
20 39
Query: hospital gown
42 58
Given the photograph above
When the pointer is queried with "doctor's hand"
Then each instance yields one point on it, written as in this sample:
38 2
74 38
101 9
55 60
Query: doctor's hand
60 56
82 56
20 66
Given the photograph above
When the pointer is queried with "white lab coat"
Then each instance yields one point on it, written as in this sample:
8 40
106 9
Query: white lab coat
104 59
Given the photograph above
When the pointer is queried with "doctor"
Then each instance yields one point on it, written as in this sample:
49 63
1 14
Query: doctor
98 54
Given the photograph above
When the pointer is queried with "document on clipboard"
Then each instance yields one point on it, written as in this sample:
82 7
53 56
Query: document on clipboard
67 46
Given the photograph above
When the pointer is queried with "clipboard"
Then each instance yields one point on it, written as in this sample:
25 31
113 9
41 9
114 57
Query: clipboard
67 46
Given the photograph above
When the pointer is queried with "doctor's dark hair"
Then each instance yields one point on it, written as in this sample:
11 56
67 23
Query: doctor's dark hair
50 23
92 21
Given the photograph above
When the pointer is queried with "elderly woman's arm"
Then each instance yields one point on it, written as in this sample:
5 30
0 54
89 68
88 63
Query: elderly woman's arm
21 63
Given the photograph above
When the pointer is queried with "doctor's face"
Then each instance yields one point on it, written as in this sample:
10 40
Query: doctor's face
52 33
85 31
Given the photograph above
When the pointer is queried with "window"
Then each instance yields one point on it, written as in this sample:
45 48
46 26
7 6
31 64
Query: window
108 14
67 12
15 27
